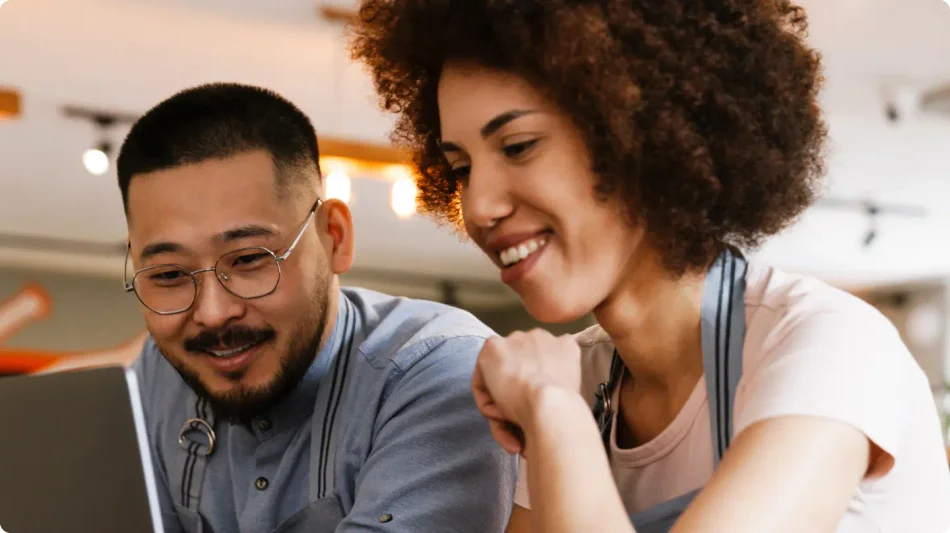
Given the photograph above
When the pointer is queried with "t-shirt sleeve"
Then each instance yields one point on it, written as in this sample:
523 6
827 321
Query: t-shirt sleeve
434 465
846 364
522 496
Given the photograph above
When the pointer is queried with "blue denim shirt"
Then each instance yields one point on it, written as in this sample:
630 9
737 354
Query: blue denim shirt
383 427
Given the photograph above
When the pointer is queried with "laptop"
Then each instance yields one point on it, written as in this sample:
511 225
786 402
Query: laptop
74 455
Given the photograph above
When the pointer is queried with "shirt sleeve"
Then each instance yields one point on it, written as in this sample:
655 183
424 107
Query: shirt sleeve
846 364
522 496
170 521
434 465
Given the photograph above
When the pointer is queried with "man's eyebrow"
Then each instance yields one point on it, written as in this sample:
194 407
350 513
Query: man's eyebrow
245 232
242 232
158 248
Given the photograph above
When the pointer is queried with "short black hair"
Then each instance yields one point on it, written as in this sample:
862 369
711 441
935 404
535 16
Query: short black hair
219 120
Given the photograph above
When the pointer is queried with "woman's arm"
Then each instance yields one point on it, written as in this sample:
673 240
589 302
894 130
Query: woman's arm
789 474
785 475
520 521
782 474
571 486
527 386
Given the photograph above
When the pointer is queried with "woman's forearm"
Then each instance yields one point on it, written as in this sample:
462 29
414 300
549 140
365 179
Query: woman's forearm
569 479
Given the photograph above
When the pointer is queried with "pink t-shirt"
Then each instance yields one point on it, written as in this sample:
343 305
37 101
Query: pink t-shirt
810 349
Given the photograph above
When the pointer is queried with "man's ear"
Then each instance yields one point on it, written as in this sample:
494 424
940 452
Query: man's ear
338 228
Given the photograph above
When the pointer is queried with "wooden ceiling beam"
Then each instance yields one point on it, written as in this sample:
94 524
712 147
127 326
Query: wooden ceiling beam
338 14
369 152
10 103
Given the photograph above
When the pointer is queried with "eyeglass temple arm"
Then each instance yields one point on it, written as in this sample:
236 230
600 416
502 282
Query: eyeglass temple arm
125 268
293 245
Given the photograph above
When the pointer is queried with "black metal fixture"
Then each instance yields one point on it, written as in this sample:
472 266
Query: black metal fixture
874 211
96 158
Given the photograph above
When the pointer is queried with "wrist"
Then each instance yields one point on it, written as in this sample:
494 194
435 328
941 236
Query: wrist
549 405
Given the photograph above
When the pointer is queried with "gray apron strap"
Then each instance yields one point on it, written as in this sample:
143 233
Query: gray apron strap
324 433
197 441
723 334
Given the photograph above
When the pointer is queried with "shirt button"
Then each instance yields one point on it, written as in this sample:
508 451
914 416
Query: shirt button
263 425
261 483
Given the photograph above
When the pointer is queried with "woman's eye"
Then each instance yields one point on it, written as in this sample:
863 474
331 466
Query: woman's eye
461 173
517 149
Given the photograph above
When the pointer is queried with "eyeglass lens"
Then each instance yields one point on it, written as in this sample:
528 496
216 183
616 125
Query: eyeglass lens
246 273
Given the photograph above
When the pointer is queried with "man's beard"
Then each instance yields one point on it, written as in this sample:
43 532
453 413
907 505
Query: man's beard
243 404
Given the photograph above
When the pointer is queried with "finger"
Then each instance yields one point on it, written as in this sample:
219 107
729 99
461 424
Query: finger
569 344
517 340
491 410
480 389
504 436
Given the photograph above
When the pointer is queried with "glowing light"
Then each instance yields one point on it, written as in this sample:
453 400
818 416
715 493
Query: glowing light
403 200
96 161
924 325
338 186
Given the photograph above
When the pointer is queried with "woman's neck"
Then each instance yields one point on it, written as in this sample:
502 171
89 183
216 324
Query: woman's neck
653 320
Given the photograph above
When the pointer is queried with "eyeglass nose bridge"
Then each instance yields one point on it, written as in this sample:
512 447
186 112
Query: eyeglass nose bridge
222 277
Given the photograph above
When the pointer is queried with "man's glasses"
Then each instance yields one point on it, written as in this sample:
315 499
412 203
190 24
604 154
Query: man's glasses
247 273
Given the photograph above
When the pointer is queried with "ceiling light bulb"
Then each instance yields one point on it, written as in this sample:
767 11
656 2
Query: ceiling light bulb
338 186
924 325
96 161
403 199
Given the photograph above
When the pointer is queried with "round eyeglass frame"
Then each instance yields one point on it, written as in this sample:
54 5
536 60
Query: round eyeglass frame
278 259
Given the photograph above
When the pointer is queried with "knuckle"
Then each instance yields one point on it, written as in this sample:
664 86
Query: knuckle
492 343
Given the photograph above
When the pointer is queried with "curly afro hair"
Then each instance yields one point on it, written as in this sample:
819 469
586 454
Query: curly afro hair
702 117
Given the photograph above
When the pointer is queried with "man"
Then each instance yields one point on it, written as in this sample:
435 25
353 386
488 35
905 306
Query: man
274 399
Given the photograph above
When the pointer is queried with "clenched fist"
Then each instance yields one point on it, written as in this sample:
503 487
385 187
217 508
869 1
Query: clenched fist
513 371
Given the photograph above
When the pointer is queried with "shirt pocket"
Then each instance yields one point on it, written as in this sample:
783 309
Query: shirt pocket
321 516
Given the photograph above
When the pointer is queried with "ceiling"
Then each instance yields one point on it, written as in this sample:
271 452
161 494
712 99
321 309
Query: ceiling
128 55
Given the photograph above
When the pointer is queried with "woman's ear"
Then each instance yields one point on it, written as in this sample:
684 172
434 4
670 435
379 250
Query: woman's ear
338 226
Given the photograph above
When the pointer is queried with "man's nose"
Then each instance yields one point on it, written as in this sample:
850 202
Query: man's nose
215 306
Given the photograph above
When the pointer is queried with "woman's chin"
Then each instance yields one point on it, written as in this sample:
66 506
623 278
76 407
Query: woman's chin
552 309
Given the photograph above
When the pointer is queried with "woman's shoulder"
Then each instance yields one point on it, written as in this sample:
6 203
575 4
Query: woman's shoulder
784 308
596 355
770 287
815 349
592 338
801 325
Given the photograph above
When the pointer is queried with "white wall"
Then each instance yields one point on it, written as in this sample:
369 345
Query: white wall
88 313
921 314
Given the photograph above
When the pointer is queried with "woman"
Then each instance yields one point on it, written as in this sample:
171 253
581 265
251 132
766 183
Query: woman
615 157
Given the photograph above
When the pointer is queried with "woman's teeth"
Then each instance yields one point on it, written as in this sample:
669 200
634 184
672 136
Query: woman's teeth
228 353
521 251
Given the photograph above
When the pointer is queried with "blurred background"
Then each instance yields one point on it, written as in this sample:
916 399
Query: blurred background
74 74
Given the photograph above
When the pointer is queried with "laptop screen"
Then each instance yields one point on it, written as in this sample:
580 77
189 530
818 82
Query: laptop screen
74 455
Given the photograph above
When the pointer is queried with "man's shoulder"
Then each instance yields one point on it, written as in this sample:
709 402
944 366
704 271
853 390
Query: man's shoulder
401 330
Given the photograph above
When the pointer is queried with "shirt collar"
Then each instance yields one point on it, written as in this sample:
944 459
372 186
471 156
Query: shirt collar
298 406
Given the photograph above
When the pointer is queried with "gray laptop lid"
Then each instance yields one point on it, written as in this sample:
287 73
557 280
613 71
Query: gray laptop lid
73 455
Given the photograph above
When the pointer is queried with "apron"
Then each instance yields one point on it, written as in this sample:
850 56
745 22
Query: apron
723 334
325 512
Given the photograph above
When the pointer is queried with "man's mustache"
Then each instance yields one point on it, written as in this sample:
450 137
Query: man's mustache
231 337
